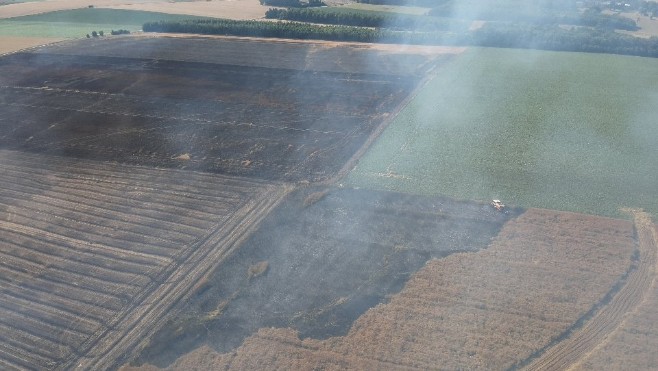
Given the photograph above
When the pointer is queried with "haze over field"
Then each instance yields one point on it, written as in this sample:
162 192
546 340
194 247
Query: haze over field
285 199
554 130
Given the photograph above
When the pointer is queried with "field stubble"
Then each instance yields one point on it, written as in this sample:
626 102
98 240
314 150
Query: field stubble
94 253
490 309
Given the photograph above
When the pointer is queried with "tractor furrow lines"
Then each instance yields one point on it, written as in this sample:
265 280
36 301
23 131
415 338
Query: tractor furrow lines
63 274
138 323
65 168
150 259
87 227
187 212
63 219
25 360
38 337
134 176
31 287
115 212
89 234
8 365
128 263
51 315
118 189
98 308
92 269
638 282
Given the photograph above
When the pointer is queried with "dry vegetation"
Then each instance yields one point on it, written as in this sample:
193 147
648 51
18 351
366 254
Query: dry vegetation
11 44
634 288
633 345
93 253
233 9
487 310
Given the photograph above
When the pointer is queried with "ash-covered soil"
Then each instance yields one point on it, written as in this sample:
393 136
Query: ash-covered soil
539 279
204 103
321 260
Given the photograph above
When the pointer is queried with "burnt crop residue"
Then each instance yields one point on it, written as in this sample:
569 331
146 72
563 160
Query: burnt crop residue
323 264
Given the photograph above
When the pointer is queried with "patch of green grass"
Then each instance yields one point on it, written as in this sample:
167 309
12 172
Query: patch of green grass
79 22
565 131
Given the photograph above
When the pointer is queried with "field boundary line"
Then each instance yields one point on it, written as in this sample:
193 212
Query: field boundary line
581 342
130 331
354 160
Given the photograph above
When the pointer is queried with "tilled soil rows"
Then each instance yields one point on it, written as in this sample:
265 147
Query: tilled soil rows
94 253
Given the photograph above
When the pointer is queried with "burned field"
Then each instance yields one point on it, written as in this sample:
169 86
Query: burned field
318 262
236 119
106 225
94 253
543 278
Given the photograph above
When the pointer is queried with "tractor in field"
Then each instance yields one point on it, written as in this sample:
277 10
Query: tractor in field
498 205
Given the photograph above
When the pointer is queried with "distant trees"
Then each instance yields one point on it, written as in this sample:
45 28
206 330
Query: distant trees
120 32
541 16
494 34
347 17
293 30
292 3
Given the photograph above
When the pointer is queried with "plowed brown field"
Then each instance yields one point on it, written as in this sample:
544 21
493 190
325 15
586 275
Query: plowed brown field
633 344
91 254
632 292
492 309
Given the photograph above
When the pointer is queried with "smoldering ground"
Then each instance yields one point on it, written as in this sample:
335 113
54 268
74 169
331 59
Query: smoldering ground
318 262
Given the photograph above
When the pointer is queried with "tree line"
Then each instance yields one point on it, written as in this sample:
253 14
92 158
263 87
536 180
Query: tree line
365 19
495 34
589 18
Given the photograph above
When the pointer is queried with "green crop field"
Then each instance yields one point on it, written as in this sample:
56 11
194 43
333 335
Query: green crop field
79 22
566 131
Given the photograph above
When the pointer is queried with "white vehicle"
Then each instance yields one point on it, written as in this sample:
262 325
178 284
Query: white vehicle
498 205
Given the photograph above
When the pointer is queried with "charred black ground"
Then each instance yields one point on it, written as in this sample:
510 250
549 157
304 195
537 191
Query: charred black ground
270 123
319 261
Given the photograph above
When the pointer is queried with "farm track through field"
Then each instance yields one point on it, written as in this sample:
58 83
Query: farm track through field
596 330
94 253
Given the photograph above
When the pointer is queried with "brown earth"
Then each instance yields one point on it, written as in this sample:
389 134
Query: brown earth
633 345
10 44
38 7
92 254
230 9
492 309
607 320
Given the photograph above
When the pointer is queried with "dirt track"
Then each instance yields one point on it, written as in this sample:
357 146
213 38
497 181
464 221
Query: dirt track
579 344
